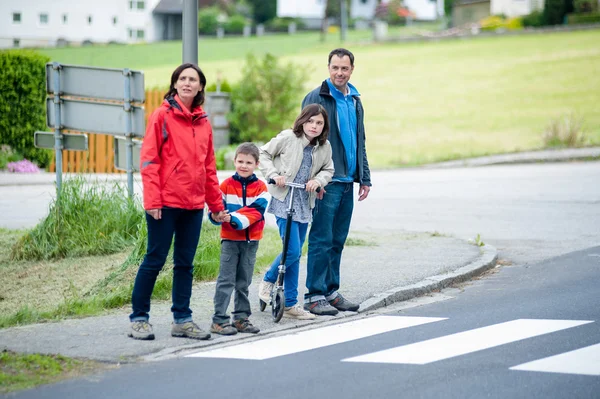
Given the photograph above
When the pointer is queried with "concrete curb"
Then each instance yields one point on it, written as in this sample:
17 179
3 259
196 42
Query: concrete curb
487 260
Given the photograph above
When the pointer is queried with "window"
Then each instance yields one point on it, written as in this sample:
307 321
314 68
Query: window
16 43
89 19
364 1
115 20
65 19
137 4
140 34
136 34
16 17
44 19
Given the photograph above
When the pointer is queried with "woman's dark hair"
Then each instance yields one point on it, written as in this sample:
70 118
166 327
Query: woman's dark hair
199 99
308 112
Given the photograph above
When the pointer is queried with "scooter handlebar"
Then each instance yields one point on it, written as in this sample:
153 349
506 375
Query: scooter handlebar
292 184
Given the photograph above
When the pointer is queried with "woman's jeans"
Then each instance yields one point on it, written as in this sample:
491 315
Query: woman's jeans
185 225
328 233
292 261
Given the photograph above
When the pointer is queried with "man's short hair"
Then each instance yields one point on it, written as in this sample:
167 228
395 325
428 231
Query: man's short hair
247 149
341 52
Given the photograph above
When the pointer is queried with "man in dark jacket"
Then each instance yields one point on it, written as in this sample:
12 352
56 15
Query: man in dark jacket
332 214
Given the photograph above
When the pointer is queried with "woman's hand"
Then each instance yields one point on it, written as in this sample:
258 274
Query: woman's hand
312 185
279 181
155 213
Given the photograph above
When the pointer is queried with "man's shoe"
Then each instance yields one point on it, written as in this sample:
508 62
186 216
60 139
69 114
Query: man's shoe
141 330
264 290
342 304
188 330
321 308
244 326
296 312
223 329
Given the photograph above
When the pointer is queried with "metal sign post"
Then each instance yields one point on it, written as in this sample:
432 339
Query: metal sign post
57 136
128 133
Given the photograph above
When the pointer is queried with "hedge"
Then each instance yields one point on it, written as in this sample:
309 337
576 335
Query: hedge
22 103
587 18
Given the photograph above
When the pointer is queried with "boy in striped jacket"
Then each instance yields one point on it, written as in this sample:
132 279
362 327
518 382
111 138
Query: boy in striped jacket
245 198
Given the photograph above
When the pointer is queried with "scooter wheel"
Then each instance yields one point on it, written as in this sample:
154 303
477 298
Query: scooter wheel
263 305
278 306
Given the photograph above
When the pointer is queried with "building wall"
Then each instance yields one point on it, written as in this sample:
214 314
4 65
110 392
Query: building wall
515 8
111 21
300 8
467 13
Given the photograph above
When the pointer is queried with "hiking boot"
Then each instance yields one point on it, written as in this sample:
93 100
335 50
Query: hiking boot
222 329
321 308
264 291
244 326
141 329
342 304
296 312
188 330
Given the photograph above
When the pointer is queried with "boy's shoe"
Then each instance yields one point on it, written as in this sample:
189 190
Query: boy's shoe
321 308
296 312
244 326
342 304
188 330
264 291
141 329
223 329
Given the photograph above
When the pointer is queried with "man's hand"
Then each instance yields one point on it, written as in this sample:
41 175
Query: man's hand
363 192
321 193
155 213
312 186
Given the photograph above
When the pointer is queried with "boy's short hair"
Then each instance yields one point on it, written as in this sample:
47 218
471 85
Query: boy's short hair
247 149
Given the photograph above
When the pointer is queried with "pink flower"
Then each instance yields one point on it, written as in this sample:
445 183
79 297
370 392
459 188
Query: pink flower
23 166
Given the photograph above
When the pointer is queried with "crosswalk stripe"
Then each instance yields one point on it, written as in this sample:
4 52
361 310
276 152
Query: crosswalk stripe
466 342
317 338
581 361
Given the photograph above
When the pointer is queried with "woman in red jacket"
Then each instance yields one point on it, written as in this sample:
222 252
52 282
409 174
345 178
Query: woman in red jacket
179 176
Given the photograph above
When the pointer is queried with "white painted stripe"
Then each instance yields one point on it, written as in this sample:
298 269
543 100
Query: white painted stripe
584 361
317 338
466 342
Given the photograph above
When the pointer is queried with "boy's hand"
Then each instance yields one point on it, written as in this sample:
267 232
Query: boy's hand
227 218
312 186
219 216
279 181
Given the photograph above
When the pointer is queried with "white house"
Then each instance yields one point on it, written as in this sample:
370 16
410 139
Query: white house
29 23
426 10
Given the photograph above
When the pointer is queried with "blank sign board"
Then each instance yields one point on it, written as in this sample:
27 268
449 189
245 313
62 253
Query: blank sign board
75 142
91 117
100 83
121 154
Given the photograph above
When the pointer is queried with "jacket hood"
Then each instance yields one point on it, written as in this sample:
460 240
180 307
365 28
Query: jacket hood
175 103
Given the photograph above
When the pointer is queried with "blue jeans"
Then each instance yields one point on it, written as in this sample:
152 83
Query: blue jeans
186 225
330 226
292 261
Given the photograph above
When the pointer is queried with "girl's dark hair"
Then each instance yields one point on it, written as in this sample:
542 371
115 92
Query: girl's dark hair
308 112
199 99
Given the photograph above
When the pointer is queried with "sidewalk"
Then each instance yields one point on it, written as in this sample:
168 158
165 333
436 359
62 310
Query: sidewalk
395 266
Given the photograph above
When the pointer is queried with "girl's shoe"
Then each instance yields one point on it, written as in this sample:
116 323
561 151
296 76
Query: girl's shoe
296 312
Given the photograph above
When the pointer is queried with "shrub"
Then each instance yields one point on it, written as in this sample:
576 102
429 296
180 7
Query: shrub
266 99
23 102
534 20
235 24
282 24
585 6
491 23
225 87
84 219
8 155
566 131
587 18
208 20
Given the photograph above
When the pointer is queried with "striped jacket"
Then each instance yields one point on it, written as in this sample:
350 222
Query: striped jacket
246 200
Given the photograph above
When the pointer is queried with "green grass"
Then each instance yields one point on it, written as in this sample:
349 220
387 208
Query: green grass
425 102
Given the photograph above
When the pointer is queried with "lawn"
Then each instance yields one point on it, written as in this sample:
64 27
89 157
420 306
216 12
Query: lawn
425 102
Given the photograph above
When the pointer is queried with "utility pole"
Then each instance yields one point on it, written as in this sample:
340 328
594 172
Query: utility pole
190 31
344 20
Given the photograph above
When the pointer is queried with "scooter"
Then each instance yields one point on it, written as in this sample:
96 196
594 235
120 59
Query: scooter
277 295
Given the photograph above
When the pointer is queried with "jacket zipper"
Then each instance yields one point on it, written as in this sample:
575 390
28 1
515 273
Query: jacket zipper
244 204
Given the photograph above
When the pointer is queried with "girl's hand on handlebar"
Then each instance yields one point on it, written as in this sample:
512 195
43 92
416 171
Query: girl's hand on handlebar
279 181
312 186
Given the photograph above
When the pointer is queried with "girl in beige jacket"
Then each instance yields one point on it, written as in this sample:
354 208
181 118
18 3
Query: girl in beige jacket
300 155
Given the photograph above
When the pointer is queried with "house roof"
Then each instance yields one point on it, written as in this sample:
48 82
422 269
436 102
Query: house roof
169 7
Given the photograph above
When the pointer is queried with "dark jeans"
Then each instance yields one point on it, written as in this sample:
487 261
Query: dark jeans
292 260
235 272
186 225
328 233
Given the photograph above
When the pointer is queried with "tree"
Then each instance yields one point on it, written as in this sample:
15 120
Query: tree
263 10
555 11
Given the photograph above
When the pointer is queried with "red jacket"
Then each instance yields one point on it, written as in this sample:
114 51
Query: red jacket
178 160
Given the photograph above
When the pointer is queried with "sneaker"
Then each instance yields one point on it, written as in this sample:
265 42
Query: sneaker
188 330
264 291
244 326
296 312
141 330
321 308
342 304
223 329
